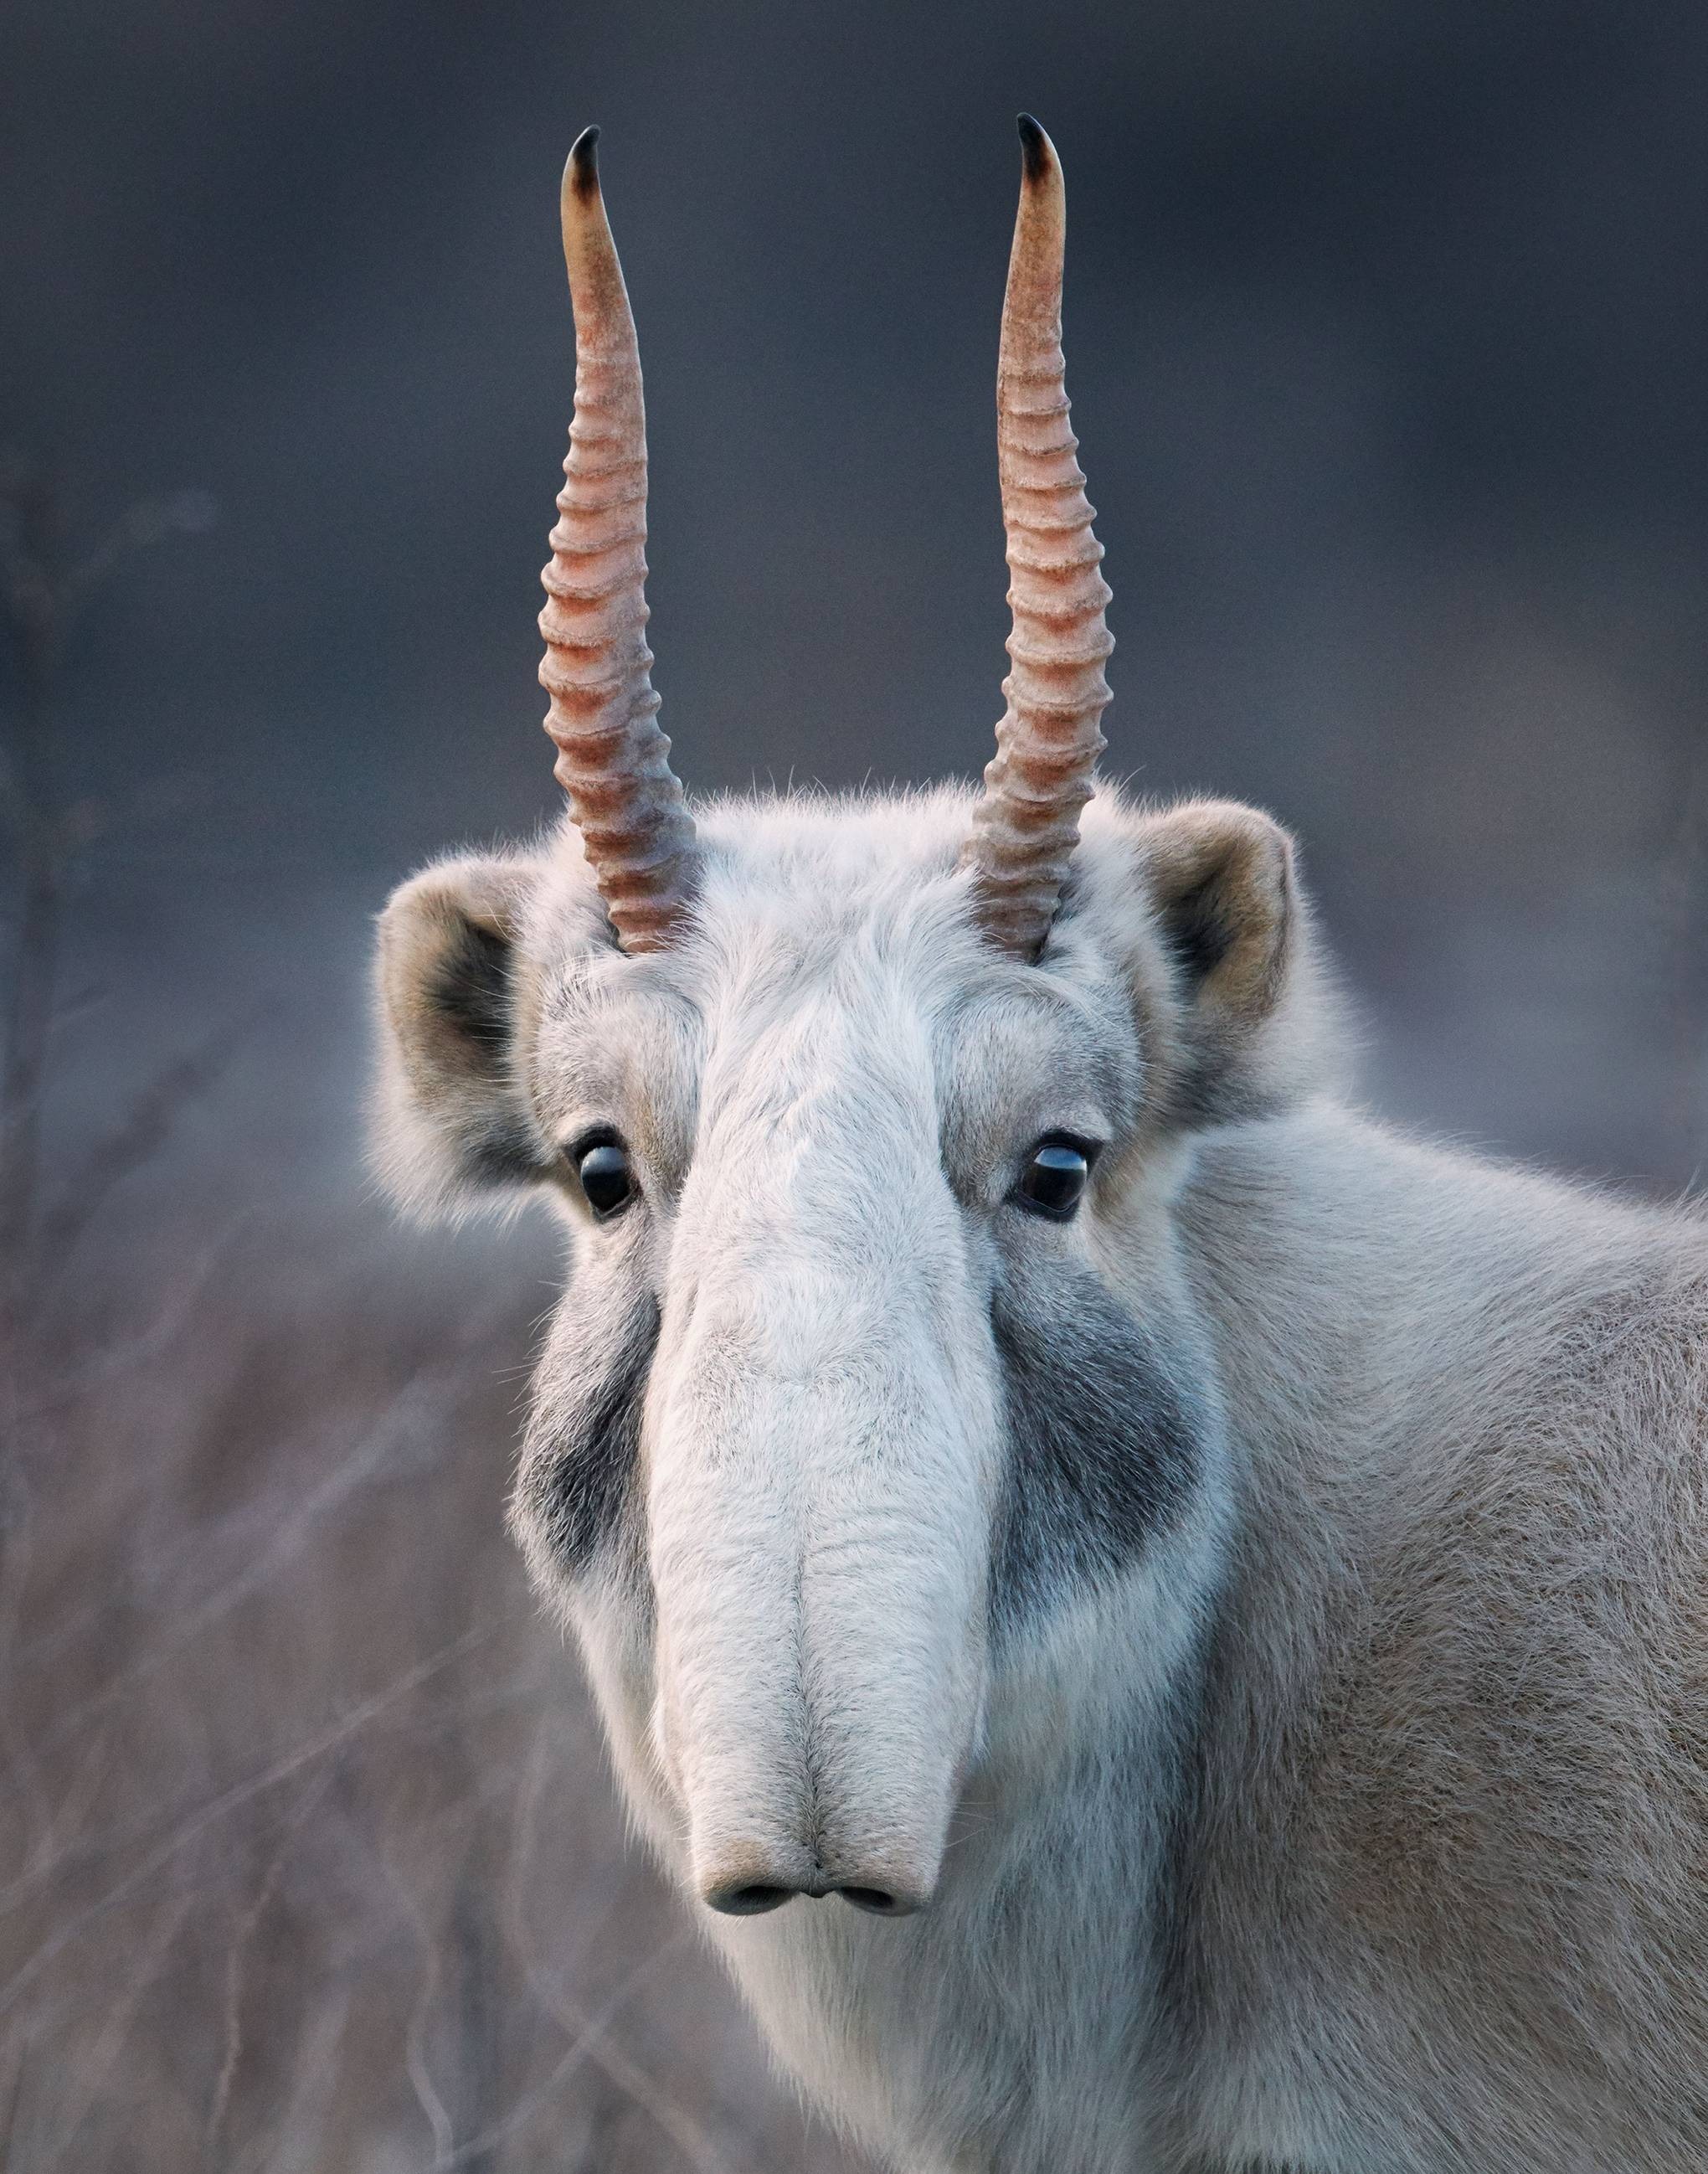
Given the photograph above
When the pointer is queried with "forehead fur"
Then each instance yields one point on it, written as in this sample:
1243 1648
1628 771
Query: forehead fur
826 927
819 879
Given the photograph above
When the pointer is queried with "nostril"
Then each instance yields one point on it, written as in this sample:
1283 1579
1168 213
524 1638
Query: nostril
877 1899
751 1900
752 1880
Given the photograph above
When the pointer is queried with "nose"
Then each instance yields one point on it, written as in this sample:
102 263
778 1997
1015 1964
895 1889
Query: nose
762 1881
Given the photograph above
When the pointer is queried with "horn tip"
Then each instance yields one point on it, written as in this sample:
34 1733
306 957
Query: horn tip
1037 152
582 175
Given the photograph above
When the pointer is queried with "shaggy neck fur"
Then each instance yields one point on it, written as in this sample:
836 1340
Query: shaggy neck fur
1261 1616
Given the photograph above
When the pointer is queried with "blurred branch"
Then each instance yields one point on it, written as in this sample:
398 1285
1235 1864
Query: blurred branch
58 1846
301 2127
266 1887
92 2072
434 2109
240 1793
119 1358
15 2096
589 2040
285 1536
588 2037
146 1127
44 585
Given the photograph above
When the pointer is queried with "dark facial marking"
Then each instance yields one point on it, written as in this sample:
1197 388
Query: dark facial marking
1213 1086
1104 1446
580 1459
501 1153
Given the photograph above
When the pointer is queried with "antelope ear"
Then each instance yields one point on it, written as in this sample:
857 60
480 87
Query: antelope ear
451 1123
1225 902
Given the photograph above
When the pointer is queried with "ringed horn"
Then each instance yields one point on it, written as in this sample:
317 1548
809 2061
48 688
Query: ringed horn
612 760
1026 821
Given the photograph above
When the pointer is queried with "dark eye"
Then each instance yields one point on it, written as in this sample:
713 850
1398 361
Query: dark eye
606 1174
1054 1178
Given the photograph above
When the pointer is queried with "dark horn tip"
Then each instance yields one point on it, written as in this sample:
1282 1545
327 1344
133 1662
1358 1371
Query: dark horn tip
1035 148
584 163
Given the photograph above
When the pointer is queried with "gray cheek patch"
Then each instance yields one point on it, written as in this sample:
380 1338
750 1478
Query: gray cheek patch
582 1448
1105 1445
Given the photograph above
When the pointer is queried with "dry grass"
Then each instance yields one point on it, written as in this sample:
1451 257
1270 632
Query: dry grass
312 1861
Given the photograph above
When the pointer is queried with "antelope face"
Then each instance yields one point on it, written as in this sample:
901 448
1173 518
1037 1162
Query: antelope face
873 1358
872 1363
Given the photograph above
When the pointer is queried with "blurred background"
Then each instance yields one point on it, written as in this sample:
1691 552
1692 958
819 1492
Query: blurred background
1387 330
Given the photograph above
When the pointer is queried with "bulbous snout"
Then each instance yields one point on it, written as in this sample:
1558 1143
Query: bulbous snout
821 1478
816 1744
819 1550
788 1788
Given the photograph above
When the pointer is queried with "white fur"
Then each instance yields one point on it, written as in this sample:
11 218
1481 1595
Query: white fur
1361 1826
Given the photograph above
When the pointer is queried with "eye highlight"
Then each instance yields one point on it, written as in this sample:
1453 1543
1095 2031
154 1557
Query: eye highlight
1053 1179
605 1173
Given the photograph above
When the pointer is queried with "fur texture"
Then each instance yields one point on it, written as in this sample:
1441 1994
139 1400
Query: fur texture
1262 1616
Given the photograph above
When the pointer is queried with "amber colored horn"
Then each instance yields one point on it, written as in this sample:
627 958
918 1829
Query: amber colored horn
1026 821
612 760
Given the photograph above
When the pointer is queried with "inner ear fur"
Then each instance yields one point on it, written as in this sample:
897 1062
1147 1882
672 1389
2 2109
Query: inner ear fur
452 1119
1225 904
1221 887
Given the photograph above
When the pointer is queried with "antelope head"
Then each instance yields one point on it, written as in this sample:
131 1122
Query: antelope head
875 1367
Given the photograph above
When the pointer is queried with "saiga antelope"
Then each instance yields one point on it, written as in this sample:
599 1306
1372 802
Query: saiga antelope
1217 1587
